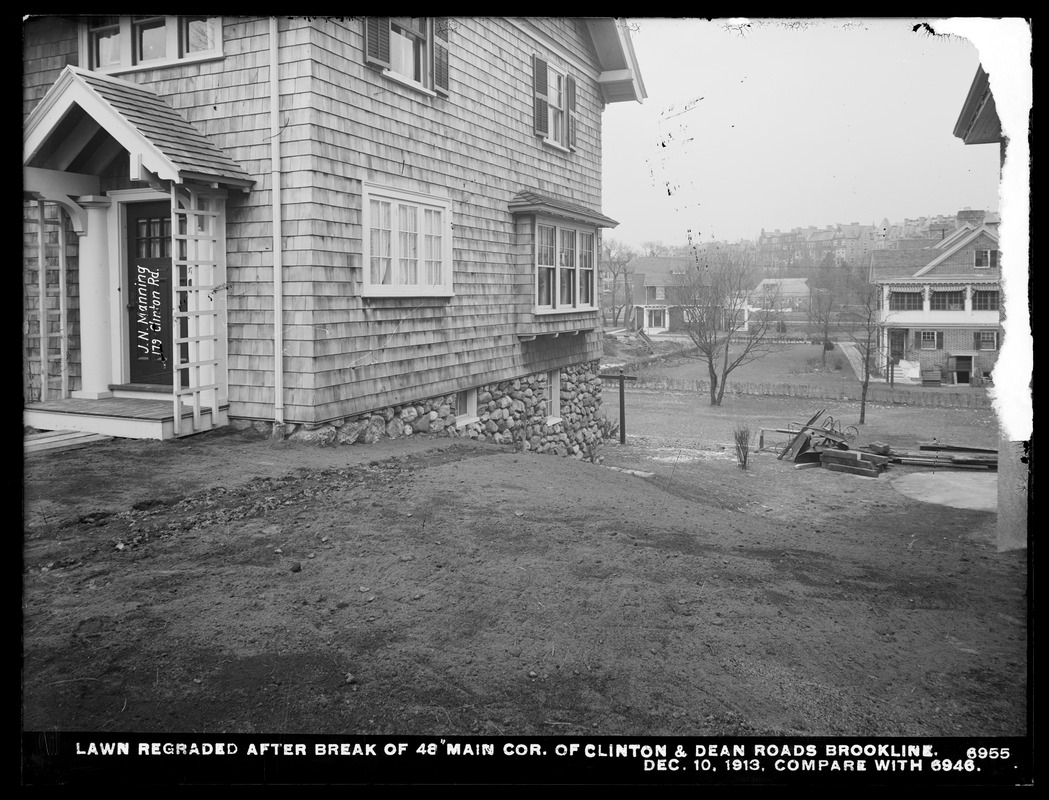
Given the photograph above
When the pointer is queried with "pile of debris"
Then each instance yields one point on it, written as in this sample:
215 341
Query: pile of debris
827 444
938 454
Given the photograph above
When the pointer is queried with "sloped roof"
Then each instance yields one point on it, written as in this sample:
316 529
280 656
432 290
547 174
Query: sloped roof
529 201
787 287
137 118
659 270
889 264
978 122
904 263
619 79
915 244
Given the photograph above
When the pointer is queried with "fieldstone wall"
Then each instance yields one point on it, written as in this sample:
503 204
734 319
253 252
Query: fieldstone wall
517 412
514 412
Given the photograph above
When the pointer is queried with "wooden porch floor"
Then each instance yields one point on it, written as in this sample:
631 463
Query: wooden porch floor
109 407
130 418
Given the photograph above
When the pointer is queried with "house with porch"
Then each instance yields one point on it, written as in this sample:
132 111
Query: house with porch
939 306
655 307
337 228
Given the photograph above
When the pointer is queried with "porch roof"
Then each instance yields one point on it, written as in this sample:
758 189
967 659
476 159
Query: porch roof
64 133
532 202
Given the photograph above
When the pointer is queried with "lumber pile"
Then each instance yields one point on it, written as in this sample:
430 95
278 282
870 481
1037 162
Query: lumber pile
855 462
943 456
826 445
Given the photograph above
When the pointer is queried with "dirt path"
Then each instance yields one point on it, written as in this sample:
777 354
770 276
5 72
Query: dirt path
227 583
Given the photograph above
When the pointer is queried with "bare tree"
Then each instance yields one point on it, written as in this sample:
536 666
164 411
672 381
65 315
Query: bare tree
862 314
615 261
826 295
653 248
715 300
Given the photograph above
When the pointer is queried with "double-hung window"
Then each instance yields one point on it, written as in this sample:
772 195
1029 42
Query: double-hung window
985 300
985 340
407 243
119 44
931 340
410 50
986 259
565 258
554 104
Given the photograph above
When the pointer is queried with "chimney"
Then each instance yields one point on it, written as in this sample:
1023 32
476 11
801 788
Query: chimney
967 215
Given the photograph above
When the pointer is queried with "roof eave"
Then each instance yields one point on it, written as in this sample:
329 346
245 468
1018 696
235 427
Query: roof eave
620 78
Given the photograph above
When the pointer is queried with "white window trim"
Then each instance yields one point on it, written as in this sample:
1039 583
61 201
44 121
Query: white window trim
125 66
553 402
924 342
426 58
555 291
370 191
553 72
467 414
988 265
983 349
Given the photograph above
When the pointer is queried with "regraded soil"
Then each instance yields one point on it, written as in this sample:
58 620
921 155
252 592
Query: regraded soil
228 583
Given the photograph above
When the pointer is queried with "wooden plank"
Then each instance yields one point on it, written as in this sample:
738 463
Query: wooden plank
854 470
847 456
64 441
956 448
790 447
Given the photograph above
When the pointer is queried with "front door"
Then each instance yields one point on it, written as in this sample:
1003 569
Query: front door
149 293
897 344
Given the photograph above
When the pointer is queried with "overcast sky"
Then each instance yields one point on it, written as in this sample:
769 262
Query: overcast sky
780 124
825 121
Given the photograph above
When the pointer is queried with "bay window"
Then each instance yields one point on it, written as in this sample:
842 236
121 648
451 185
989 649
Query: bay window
564 262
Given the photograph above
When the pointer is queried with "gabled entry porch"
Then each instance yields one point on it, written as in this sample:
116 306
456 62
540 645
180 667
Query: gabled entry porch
126 321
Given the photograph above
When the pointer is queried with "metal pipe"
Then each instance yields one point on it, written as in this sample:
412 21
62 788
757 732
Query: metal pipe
278 261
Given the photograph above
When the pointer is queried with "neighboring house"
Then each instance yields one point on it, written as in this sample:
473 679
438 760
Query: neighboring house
346 226
939 306
655 309
852 242
786 294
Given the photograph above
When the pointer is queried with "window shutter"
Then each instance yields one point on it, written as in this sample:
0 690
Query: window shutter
440 55
570 98
939 340
377 41
540 112
917 340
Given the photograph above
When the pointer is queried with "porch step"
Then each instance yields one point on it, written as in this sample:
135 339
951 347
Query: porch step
61 440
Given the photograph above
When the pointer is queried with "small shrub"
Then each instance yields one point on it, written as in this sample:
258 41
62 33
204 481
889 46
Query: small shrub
839 364
742 437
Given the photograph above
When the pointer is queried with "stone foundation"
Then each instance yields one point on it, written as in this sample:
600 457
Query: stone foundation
514 412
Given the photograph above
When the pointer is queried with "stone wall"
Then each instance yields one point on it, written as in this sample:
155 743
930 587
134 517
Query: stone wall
518 412
514 412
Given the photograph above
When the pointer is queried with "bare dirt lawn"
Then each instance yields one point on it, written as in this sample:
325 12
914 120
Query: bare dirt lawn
228 583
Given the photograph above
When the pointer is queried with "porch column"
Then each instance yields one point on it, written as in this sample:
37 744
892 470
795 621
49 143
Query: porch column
95 324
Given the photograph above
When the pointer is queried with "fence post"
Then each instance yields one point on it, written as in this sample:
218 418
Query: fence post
622 407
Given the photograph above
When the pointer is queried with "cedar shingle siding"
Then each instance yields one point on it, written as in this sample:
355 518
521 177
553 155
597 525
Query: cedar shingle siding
343 122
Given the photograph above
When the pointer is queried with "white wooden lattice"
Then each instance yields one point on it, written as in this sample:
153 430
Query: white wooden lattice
197 287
